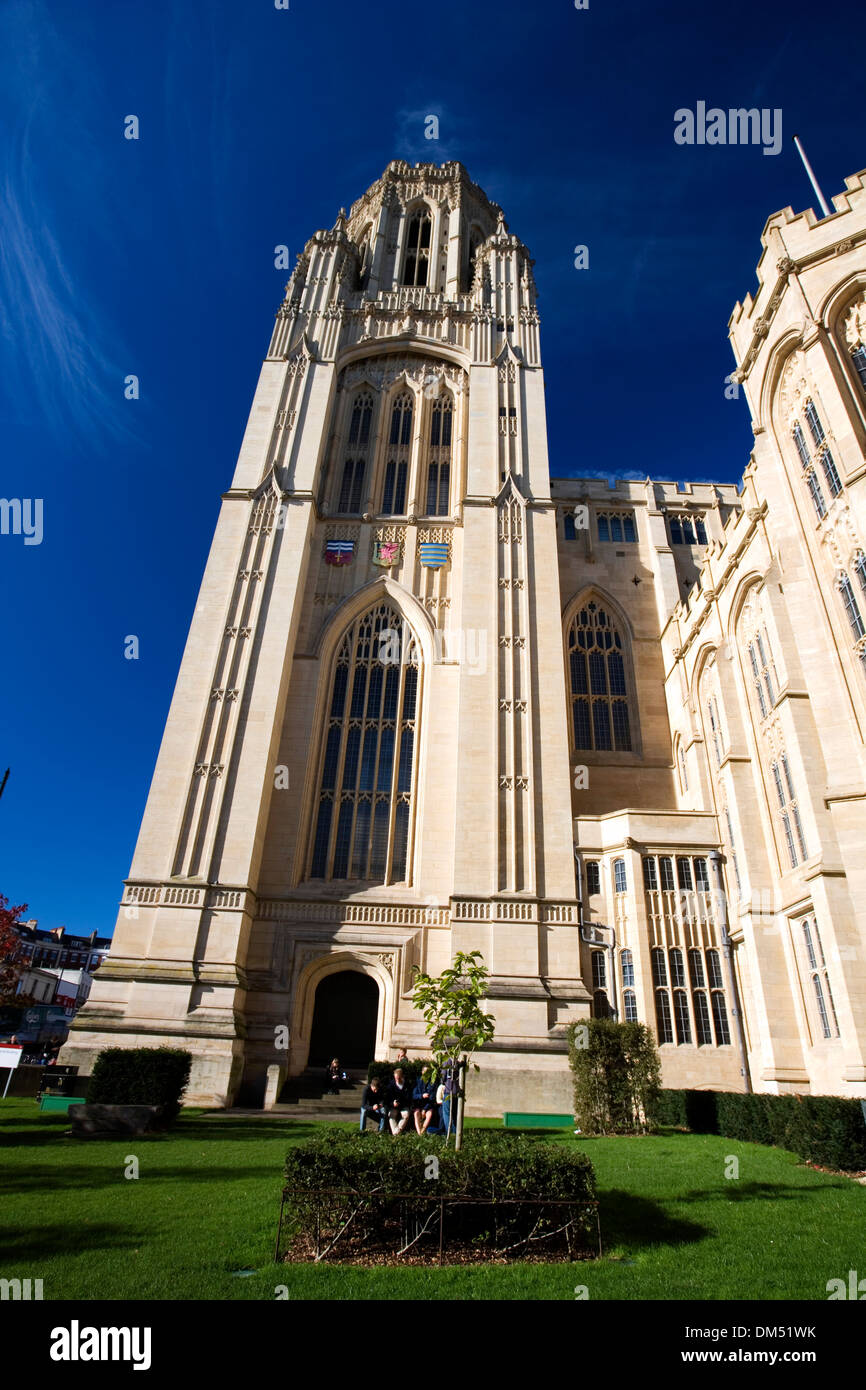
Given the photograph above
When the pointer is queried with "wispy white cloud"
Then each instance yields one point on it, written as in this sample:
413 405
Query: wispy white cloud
63 359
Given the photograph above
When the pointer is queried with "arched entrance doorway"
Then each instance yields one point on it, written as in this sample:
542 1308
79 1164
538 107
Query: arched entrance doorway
345 1014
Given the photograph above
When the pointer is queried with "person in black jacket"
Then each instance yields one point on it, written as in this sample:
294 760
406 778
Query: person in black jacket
399 1098
373 1104
335 1075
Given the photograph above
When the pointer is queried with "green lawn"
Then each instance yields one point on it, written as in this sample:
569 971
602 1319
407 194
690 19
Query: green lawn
206 1202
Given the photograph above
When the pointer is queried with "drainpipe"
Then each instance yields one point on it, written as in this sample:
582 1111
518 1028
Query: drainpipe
728 954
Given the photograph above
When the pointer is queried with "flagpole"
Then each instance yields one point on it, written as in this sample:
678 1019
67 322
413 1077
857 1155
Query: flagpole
807 166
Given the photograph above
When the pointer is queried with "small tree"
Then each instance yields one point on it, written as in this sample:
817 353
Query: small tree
12 958
457 1026
617 1076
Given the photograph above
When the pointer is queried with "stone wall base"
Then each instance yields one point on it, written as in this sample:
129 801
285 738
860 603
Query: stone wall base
216 1069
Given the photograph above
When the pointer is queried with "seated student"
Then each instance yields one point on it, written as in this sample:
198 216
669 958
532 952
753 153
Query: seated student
373 1104
399 1101
424 1100
335 1076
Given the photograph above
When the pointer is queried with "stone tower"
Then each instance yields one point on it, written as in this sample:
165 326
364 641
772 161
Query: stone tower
365 766
612 737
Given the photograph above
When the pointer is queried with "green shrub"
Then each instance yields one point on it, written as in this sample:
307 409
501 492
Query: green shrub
831 1131
743 1117
140 1076
617 1076
669 1109
489 1165
827 1130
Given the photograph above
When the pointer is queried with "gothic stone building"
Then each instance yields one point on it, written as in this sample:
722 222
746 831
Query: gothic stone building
433 700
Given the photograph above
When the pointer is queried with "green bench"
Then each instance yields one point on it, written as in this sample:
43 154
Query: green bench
60 1104
515 1119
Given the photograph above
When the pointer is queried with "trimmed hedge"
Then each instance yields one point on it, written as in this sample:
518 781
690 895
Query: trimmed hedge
411 1069
827 1130
140 1076
617 1075
489 1165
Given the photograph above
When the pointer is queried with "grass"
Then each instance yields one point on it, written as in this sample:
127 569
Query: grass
206 1201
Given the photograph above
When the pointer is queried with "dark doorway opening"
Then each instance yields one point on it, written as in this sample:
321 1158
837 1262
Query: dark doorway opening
344 1020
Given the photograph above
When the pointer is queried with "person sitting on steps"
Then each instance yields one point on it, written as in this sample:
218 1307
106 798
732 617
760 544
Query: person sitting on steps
335 1076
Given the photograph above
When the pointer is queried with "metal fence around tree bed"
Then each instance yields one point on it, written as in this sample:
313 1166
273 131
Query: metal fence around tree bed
343 1224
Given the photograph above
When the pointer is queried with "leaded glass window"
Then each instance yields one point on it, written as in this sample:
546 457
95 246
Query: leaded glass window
820 979
599 698
852 608
627 963
599 970
663 1017
616 526
788 810
397 459
366 783
681 1014
357 449
812 483
439 457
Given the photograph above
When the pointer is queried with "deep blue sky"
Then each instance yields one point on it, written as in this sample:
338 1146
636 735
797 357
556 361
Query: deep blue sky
156 258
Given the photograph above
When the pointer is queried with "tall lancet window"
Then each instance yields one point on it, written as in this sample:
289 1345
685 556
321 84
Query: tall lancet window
417 249
439 458
357 448
366 783
599 695
397 464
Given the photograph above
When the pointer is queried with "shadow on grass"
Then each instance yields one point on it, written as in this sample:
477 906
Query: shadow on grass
736 1191
39 1131
226 1131
88 1179
636 1221
27 1243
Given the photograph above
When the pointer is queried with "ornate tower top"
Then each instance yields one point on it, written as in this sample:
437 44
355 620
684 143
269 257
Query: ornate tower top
426 248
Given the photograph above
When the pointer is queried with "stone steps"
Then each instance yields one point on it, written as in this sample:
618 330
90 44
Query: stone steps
307 1093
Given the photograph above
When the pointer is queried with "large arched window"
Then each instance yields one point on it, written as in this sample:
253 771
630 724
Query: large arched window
788 810
417 256
397 458
817 969
366 780
599 696
357 449
439 457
